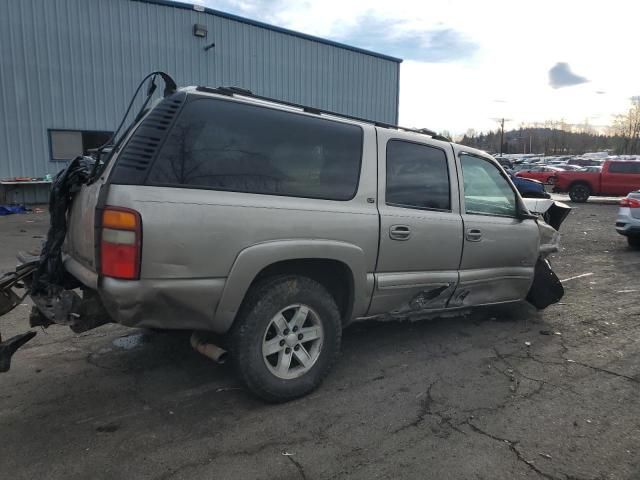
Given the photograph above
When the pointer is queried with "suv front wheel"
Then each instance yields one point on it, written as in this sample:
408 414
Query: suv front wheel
286 337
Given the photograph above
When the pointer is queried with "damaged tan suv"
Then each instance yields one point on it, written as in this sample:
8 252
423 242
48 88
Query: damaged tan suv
273 225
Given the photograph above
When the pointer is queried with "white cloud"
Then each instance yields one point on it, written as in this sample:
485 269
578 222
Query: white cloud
514 46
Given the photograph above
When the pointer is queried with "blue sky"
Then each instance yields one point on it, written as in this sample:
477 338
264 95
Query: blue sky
468 62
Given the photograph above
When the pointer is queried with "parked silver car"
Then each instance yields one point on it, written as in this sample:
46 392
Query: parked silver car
628 220
275 225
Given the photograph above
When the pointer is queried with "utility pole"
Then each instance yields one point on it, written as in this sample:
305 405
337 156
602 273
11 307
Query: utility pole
501 134
501 122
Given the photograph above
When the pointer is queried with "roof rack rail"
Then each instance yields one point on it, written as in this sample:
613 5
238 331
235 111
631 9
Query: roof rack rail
232 91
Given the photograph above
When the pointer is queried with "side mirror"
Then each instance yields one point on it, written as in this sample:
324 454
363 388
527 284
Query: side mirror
523 215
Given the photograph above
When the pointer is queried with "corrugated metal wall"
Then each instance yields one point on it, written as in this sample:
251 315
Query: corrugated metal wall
73 64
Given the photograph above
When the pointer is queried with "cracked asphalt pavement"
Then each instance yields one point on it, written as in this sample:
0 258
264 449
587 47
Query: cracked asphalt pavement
500 394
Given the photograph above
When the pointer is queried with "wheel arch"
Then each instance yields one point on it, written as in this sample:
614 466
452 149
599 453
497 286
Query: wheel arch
336 265
580 182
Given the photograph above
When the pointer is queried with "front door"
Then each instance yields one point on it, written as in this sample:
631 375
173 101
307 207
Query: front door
500 250
420 225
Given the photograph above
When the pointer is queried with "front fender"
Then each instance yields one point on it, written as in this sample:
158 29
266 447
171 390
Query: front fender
252 260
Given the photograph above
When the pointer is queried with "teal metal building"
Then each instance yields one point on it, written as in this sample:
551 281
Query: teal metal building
68 69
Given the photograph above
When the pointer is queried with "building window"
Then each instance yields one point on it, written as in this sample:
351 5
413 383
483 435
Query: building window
68 144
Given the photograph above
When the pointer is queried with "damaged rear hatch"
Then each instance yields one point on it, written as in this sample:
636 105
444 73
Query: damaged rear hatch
69 259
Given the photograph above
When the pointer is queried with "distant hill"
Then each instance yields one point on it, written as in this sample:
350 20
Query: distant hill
550 141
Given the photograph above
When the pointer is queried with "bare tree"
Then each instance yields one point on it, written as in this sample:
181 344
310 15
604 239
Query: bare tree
627 126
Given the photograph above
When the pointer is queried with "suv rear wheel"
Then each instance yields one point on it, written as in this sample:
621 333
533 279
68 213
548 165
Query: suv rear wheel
286 337
579 192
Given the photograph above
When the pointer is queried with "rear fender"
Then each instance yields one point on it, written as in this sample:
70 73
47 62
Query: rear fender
252 260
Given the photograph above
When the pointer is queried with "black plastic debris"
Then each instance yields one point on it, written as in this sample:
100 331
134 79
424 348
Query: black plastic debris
546 288
9 347
65 185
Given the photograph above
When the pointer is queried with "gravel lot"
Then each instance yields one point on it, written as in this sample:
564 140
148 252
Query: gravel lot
501 394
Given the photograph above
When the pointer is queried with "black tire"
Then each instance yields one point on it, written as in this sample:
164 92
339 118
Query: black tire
634 241
579 192
262 303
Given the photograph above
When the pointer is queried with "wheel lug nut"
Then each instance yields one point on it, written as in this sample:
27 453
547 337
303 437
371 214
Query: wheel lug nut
286 331
300 336
295 329
287 350
296 348
282 343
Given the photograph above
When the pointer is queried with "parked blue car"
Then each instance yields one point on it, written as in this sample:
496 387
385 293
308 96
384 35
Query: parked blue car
529 188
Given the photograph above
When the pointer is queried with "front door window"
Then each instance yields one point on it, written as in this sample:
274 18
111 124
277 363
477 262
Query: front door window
486 190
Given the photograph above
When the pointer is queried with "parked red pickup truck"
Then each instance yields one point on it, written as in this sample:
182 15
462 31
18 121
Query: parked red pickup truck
617 178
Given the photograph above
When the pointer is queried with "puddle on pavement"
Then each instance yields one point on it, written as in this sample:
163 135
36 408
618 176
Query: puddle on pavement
130 342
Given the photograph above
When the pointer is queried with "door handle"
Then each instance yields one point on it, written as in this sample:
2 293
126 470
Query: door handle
399 232
474 235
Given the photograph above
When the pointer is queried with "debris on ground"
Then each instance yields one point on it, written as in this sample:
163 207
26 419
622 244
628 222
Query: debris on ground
577 276
12 210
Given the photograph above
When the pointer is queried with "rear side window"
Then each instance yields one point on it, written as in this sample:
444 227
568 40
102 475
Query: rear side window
417 176
223 145
624 167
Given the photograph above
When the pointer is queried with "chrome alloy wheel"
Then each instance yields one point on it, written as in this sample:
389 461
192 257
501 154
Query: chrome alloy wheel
292 341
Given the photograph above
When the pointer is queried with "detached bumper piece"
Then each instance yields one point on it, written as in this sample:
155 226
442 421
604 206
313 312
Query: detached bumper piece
9 299
8 348
10 281
546 288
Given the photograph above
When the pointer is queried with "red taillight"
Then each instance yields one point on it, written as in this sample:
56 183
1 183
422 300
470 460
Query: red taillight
120 243
630 202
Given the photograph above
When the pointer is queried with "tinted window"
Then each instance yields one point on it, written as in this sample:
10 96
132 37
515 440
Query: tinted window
417 176
486 191
226 145
624 167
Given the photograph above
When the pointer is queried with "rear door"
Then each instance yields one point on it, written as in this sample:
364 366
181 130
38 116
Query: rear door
500 250
621 178
420 224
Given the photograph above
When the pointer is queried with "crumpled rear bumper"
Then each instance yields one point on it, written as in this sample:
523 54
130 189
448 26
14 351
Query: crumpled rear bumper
163 303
